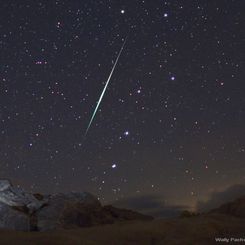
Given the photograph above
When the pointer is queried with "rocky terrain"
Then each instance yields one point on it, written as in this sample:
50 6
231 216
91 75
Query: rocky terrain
22 211
79 218
235 208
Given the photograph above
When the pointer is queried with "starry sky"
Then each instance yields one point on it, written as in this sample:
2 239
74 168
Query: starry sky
171 123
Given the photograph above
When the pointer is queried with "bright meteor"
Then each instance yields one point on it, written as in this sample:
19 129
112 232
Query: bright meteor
103 92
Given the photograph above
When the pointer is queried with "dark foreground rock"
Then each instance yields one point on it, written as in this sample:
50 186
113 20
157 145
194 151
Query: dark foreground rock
68 210
235 208
12 219
23 211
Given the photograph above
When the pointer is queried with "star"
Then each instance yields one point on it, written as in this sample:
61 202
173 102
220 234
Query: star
175 101
126 133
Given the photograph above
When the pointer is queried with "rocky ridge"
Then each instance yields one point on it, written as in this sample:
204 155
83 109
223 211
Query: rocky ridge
22 211
235 208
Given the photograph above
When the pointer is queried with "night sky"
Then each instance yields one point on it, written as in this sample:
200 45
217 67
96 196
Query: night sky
171 123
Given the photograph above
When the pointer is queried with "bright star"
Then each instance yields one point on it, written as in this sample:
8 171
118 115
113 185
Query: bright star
126 133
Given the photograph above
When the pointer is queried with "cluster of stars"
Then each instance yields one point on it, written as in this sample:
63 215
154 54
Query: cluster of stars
171 121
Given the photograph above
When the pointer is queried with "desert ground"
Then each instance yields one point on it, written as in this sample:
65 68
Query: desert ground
198 230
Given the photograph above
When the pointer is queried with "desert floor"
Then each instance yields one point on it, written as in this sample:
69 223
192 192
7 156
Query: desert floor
194 230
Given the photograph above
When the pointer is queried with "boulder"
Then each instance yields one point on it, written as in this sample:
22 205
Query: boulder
68 211
12 219
16 197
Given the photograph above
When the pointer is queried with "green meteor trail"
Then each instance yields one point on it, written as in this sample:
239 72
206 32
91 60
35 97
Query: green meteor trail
103 92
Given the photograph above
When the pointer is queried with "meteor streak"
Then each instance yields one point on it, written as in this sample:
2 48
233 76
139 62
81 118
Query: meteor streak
103 92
